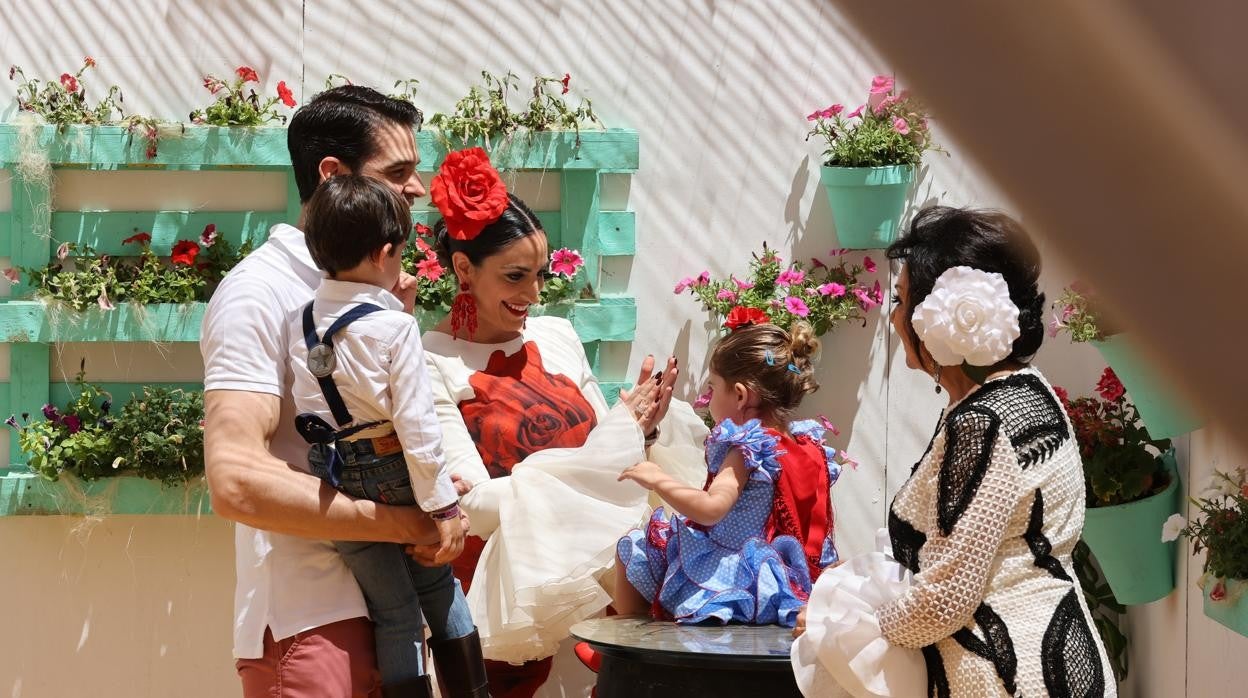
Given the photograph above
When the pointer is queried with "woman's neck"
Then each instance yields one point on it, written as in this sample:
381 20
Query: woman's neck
958 385
481 336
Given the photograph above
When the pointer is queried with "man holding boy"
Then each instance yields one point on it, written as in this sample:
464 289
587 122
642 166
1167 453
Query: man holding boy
300 625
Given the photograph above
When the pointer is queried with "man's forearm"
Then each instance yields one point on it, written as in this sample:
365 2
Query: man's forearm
268 494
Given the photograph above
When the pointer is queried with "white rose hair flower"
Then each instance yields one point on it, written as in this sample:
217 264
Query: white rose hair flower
968 317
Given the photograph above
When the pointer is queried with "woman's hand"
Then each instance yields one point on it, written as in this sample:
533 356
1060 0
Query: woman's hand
645 473
801 622
650 397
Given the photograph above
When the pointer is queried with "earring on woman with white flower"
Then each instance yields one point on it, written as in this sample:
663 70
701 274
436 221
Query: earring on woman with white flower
937 377
968 318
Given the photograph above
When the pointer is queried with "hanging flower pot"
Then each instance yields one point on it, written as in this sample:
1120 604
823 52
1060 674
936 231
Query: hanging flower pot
1124 538
1225 602
1164 413
867 203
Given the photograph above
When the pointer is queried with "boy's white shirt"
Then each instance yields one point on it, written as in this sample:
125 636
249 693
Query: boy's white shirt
380 372
285 583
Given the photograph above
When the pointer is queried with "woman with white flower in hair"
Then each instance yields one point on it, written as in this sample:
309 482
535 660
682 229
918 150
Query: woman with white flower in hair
972 592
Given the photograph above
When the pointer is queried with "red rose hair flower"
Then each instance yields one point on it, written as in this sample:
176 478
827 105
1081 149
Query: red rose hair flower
184 253
468 192
284 94
247 74
743 315
141 238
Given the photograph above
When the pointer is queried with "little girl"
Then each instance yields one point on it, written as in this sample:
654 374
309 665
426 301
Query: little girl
713 558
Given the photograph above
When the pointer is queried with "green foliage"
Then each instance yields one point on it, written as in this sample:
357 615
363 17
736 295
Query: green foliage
889 129
485 116
1121 461
1075 314
830 293
1222 527
64 102
1105 609
80 278
159 435
236 104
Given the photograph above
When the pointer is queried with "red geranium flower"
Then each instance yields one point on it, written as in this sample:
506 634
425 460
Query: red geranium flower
567 78
247 74
284 94
89 61
184 253
1109 386
468 192
1062 395
429 268
141 238
743 315
69 82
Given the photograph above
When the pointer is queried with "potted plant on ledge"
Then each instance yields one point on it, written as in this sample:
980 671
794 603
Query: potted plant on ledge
1222 532
869 162
1132 484
1078 314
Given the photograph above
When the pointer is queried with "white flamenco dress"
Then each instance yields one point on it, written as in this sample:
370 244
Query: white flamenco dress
843 651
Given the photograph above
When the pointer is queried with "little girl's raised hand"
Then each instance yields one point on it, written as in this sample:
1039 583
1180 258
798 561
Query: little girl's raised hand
645 473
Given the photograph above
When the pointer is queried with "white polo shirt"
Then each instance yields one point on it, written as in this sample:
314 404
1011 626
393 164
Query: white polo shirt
380 373
285 583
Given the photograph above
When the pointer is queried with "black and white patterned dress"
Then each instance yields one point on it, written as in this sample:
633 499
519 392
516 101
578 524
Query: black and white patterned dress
987 522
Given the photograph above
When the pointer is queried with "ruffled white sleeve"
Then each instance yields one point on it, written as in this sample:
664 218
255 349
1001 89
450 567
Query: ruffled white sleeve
843 651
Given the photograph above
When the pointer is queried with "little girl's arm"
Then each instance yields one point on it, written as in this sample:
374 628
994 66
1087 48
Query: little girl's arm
705 507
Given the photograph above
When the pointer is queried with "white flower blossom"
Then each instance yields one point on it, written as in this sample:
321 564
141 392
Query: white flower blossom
968 317
1173 526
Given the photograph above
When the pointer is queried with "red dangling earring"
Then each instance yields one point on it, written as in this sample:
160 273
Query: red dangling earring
463 312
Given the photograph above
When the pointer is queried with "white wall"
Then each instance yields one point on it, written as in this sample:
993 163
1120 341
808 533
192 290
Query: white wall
718 91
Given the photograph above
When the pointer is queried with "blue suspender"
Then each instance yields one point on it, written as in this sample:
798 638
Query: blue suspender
321 362
310 338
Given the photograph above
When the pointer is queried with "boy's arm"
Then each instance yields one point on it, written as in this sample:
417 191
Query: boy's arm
249 485
416 422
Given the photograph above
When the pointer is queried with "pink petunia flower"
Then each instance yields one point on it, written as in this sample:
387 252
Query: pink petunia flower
864 299
838 252
856 112
13 275
566 262
743 285
726 295
816 263
63 251
828 425
877 294
104 302
814 115
796 306
1055 325
832 111
209 235
703 401
683 285
788 277
882 85
869 265
900 126
832 289
703 279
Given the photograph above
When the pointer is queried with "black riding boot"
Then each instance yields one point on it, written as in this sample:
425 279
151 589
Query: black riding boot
461 668
420 687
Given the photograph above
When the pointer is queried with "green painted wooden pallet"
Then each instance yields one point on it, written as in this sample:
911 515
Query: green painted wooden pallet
31 231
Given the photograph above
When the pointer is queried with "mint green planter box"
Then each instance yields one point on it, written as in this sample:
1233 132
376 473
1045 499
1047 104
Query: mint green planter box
1126 540
867 203
1231 611
1163 412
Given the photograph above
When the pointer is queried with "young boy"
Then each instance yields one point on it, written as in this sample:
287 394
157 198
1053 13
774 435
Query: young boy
362 394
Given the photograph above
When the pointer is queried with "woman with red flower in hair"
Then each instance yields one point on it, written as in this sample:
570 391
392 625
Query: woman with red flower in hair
525 423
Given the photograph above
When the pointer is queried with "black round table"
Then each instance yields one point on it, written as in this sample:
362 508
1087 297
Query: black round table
643 658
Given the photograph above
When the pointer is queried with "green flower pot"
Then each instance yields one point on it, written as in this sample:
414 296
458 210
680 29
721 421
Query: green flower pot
1126 540
1163 412
867 203
1231 611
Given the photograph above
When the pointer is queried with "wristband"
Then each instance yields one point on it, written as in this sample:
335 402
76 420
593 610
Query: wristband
652 437
451 512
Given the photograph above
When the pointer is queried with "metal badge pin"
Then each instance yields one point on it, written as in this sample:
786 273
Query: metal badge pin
321 360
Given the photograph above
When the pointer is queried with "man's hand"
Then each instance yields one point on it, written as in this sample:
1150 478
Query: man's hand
426 555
